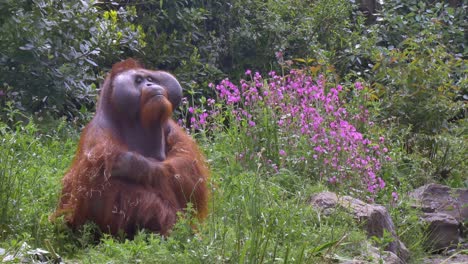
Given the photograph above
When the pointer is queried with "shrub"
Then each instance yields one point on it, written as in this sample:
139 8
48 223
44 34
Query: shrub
59 46
50 51
296 123
399 20
418 85
415 62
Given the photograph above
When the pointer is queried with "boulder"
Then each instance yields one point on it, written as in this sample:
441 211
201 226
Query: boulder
446 211
374 255
443 231
442 199
375 218
387 257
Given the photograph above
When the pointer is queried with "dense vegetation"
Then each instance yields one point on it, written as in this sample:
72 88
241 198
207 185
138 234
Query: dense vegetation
286 98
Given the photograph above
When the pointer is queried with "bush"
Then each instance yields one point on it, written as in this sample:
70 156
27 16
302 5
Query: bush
294 30
51 51
399 20
415 63
414 58
297 123
60 46
201 41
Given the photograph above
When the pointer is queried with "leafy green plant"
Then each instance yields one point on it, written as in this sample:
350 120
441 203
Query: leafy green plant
298 124
50 51
30 166
260 225
398 20
382 243
412 78
202 41
417 85
410 230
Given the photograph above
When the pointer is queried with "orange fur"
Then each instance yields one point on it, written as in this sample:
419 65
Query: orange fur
117 182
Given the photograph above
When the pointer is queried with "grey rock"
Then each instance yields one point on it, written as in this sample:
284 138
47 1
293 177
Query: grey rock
376 218
446 212
372 255
443 231
438 198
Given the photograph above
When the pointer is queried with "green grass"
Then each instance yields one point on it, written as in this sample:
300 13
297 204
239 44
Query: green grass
31 165
256 216
254 219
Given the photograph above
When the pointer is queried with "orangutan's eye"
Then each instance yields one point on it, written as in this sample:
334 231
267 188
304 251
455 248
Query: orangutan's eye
149 79
138 79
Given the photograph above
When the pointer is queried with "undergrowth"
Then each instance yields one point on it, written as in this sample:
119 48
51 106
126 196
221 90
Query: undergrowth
254 219
259 211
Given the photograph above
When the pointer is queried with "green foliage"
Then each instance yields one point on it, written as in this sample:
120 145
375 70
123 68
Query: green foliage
200 41
420 77
395 22
383 242
258 226
414 59
50 51
179 39
258 30
31 164
410 230
417 84
411 61
252 218
399 20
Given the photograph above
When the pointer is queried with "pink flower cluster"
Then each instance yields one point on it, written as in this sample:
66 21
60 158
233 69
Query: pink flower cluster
314 127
